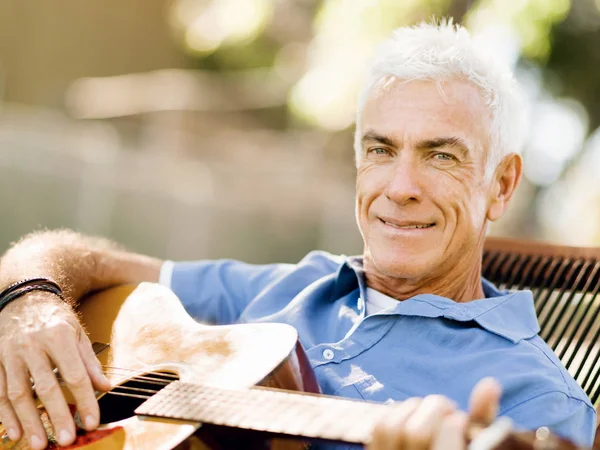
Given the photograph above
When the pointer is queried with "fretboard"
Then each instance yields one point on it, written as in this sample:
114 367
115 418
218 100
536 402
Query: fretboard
268 410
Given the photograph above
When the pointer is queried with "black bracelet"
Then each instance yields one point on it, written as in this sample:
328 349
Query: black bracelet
22 287
26 282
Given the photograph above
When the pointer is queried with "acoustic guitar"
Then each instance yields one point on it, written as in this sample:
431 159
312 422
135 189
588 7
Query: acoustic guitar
178 384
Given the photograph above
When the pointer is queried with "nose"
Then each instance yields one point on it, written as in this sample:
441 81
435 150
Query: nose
404 185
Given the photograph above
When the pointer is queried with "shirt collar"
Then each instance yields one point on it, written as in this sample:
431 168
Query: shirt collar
510 314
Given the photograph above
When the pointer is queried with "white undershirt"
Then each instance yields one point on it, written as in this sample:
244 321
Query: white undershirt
376 301
166 273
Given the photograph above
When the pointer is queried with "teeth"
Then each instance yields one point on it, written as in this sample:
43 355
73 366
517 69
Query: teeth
409 227
416 226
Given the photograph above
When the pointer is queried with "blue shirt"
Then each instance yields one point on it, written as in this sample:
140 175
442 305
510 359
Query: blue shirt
424 345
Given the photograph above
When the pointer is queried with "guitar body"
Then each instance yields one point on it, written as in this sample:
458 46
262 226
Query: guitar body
148 331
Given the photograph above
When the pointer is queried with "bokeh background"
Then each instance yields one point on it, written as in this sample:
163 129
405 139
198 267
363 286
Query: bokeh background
194 129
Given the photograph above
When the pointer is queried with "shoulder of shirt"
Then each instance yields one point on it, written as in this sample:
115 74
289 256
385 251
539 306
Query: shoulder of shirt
315 264
567 384
578 402
323 257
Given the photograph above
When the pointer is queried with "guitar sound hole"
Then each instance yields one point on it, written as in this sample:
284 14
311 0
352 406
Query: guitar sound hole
120 402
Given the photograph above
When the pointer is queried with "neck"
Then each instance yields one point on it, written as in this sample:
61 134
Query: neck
460 281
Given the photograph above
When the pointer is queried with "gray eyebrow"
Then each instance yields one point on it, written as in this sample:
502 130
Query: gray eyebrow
373 136
450 141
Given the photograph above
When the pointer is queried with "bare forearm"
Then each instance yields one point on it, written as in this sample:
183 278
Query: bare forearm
79 264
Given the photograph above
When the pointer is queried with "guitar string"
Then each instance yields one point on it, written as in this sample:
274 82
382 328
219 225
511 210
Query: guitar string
146 397
139 380
149 380
138 393
132 392
158 380
129 391
135 392
134 389
161 374
121 394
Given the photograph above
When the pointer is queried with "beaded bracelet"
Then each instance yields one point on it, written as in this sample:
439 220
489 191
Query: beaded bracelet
22 287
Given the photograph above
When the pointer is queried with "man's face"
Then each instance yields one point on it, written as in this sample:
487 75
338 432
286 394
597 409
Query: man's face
422 195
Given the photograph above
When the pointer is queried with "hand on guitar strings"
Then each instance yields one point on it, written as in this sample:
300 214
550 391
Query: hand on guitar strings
435 423
40 332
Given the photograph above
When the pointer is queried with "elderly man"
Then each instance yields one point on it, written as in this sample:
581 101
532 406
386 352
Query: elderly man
438 128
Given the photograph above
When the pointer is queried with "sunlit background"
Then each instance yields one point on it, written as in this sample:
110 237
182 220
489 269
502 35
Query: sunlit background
223 128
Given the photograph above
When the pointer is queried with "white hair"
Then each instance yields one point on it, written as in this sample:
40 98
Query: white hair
442 51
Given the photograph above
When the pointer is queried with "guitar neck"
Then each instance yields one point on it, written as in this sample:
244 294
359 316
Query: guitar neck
265 410
308 416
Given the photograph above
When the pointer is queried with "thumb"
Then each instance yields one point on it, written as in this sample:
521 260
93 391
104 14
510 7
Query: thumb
484 401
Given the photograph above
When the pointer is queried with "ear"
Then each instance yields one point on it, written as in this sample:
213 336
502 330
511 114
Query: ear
504 182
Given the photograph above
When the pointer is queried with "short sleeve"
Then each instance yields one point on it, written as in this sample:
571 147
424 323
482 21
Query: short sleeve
217 292
566 416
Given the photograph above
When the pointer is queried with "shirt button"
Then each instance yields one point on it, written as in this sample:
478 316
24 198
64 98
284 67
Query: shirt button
328 354
461 311
361 303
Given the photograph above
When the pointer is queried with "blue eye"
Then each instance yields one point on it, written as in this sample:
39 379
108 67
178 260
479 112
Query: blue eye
379 151
443 156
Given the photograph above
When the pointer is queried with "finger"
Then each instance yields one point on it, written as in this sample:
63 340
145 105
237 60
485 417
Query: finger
484 401
492 436
74 374
424 423
50 394
389 431
91 363
451 433
8 417
21 397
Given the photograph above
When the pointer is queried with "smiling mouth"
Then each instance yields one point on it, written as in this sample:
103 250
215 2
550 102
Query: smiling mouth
408 227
